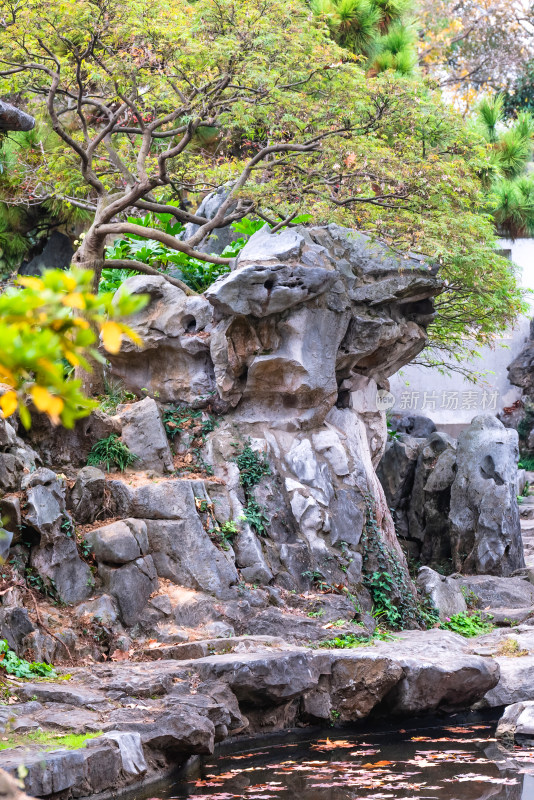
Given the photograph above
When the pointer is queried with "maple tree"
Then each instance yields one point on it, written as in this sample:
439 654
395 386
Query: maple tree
150 105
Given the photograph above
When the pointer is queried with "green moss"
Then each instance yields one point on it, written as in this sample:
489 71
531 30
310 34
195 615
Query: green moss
47 740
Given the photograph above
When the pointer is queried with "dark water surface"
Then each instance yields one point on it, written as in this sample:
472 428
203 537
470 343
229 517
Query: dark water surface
454 762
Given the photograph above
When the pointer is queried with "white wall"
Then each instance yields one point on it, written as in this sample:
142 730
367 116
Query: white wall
451 401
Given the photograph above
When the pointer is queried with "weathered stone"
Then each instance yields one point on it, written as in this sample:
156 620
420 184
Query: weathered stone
144 435
132 759
485 527
15 624
416 425
439 672
131 585
87 495
57 254
103 767
445 593
59 564
516 682
183 552
13 119
219 238
491 592
101 609
174 361
265 678
429 503
119 542
69 447
360 682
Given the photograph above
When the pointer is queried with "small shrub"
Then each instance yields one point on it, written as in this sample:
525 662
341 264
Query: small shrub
252 467
347 641
527 463
114 395
255 516
472 599
510 647
111 452
468 625
20 668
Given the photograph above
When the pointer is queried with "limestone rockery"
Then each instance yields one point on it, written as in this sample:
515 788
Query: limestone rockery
247 528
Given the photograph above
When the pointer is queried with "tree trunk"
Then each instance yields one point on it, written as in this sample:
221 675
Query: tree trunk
90 255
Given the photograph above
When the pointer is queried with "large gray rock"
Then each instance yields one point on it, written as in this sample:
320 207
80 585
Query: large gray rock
517 722
62 569
492 592
174 363
219 238
359 682
143 433
429 504
131 585
516 682
119 542
184 553
439 672
56 557
485 527
445 593
396 472
57 254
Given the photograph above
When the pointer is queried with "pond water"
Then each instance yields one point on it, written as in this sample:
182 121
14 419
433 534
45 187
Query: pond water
453 762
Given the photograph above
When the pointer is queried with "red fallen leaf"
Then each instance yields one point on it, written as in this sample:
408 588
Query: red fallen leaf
378 764
120 655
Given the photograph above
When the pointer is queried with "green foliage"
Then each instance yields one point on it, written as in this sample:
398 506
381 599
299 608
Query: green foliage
375 29
182 418
196 274
225 534
527 463
347 641
46 321
46 588
252 467
20 668
256 517
520 95
197 423
111 279
115 394
468 624
393 599
471 598
510 190
48 740
111 452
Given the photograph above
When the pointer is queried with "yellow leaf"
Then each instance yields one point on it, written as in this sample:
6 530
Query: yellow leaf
80 322
6 376
136 339
74 300
72 358
41 398
8 403
111 336
70 282
55 409
31 283
46 402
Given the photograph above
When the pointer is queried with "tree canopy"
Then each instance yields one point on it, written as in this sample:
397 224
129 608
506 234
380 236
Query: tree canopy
151 105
